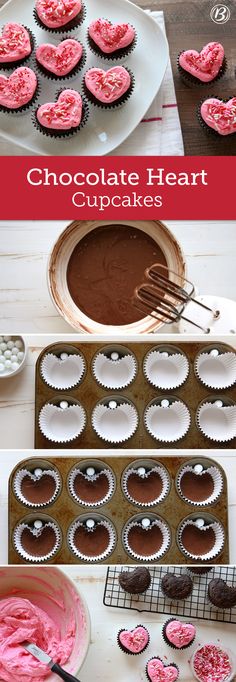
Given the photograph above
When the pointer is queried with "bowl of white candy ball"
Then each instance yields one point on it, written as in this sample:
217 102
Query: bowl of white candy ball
12 355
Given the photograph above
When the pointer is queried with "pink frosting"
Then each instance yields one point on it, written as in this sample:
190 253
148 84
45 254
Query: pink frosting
14 43
110 37
60 59
57 13
180 634
21 621
108 86
204 65
212 664
221 116
18 88
158 672
65 114
135 640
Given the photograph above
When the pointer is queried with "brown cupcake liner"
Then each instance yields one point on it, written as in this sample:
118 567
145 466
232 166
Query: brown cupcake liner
166 665
72 476
7 66
24 554
205 127
26 107
70 26
133 653
117 54
58 134
192 81
20 475
91 559
166 640
52 76
113 105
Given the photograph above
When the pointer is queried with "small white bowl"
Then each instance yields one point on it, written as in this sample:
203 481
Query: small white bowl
12 338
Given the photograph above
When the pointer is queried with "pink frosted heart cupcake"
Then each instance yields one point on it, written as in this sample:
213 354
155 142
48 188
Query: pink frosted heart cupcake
19 90
157 671
59 15
218 116
178 635
201 68
134 641
111 40
62 60
108 88
62 118
16 45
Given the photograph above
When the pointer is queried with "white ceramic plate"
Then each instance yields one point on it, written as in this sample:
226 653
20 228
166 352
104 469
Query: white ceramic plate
105 130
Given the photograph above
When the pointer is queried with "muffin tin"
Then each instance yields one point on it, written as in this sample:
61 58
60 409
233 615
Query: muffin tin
115 509
178 416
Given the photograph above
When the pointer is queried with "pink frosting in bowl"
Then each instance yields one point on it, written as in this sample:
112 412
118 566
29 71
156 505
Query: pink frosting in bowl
204 65
57 13
17 89
180 635
43 607
60 59
108 86
65 114
111 37
219 115
15 43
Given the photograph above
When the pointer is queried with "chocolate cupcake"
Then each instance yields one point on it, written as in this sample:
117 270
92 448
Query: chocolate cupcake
146 539
111 41
92 538
178 635
145 483
91 484
134 641
37 539
16 45
58 16
108 89
176 587
63 118
158 671
202 68
221 595
61 61
137 581
18 91
36 486
216 115
199 570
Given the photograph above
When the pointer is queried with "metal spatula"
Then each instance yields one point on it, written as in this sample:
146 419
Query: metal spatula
45 658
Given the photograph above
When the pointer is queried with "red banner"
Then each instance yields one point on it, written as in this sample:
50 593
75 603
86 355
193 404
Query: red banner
111 188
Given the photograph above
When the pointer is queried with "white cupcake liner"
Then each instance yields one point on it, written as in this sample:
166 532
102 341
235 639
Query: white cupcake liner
167 424
72 476
99 557
166 371
219 540
62 374
152 557
30 557
217 480
20 475
217 372
217 423
62 425
114 374
165 482
115 425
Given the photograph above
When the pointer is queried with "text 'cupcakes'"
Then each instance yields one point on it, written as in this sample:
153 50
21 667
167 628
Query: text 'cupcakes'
167 420
62 423
116 420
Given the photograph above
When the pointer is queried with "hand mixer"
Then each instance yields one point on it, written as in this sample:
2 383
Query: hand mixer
171 298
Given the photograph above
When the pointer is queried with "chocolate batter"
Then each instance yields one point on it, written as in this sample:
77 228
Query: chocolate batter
91 543
197 487
104 269
198 542
144 490
40 491
145 542
91 491
41 545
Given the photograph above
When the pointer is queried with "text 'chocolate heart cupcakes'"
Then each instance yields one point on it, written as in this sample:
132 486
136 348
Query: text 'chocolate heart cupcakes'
64 369
91 483
111 41
62 421
16 45
167 419
37 539
216 368
221 595
145 483
108 89
91 538
59 15
216 419
201 68
176 587
62 60
199 483
37 485
115 419
63 118
201 539
166 367
157 671
218 116
114 367
18 91
146 538
134 641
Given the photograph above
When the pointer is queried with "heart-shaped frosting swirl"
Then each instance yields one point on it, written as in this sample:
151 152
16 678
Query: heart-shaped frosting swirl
57 13
60 59
15 43
108 86
64 114
204 65
219 115
17 89
157 671
134 641
111 37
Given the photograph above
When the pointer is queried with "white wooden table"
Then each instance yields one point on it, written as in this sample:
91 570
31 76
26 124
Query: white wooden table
25 304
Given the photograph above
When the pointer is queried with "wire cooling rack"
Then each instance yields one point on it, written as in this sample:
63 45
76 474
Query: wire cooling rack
153 601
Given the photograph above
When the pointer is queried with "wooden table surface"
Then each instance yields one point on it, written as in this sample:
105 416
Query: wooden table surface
188 25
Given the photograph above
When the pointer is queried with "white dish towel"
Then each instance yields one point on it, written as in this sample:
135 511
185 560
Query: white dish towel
159 133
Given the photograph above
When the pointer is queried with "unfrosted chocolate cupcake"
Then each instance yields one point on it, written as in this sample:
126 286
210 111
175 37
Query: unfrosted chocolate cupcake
176 587
92 484
92 538
37 539
199 570
135 582
220 594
